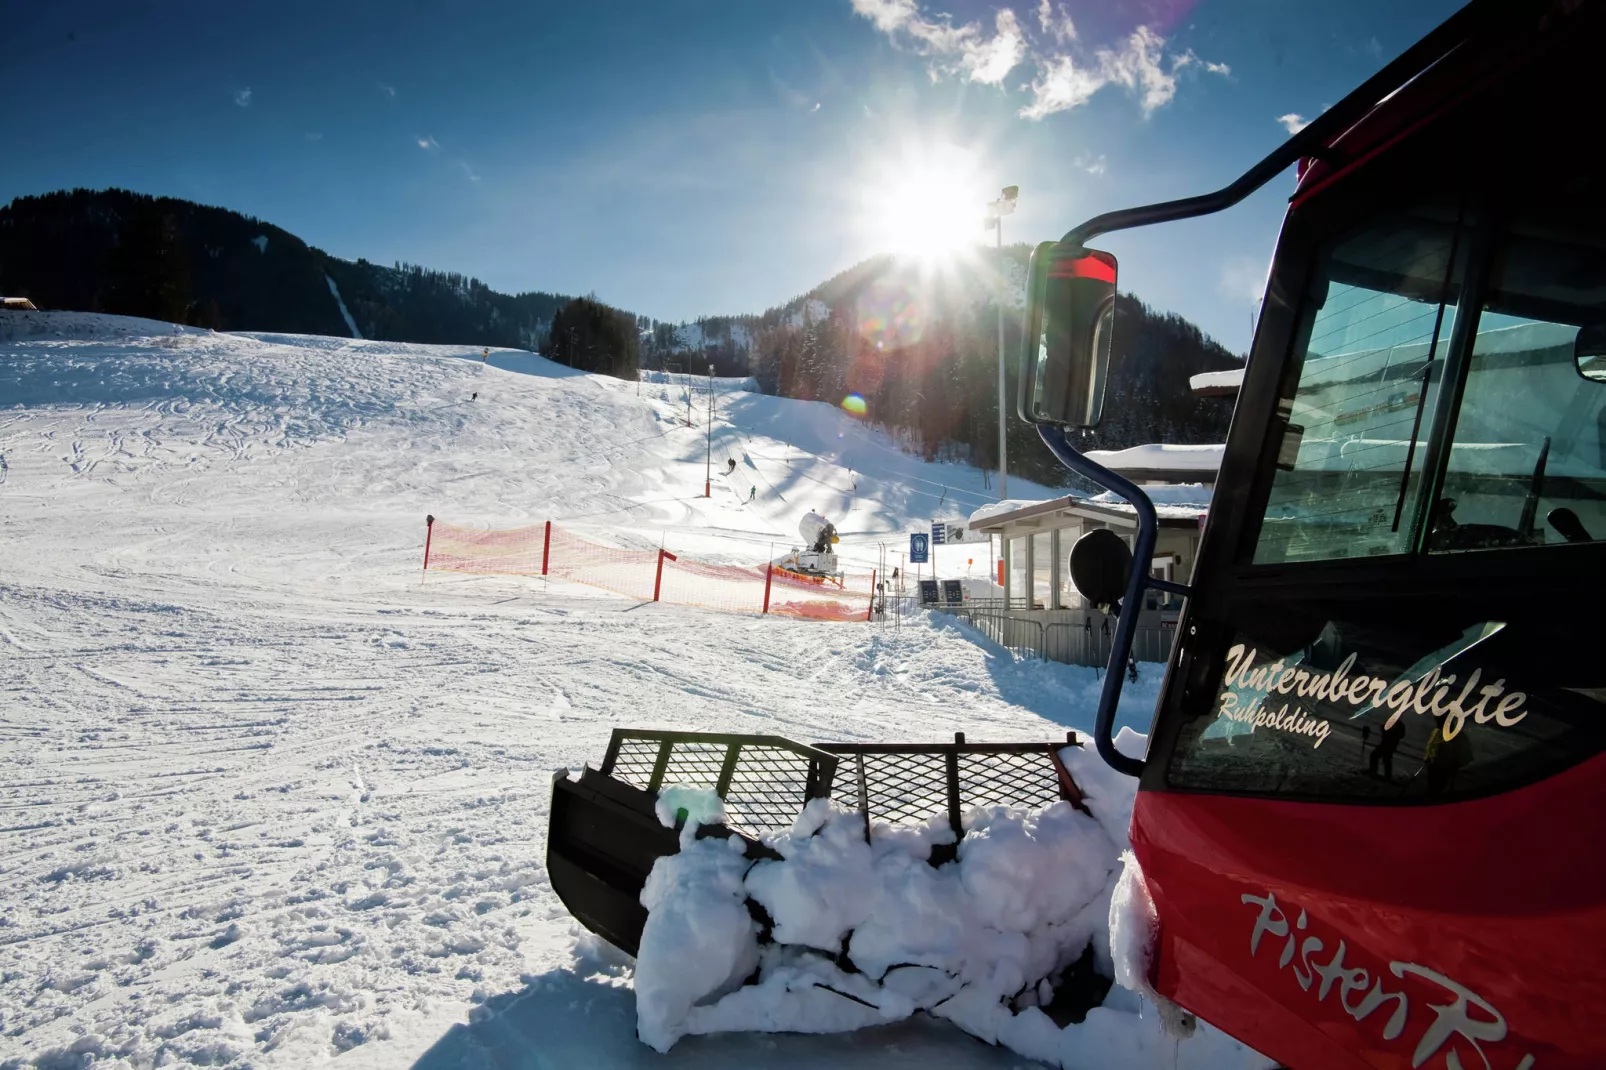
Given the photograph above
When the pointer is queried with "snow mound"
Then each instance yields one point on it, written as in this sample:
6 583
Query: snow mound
845 931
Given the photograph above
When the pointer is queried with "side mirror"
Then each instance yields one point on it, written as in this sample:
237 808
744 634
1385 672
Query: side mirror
1101 564
1589 352
1070 313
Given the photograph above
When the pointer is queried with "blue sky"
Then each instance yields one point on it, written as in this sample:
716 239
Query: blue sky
682 157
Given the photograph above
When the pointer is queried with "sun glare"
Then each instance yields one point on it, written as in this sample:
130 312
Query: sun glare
926 202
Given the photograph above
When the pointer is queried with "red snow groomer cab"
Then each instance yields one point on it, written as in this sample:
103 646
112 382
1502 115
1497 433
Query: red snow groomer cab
1371 812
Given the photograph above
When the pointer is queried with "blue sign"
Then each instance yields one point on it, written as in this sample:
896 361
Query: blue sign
938 532
919 548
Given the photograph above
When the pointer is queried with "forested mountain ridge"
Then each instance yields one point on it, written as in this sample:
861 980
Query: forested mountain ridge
165 258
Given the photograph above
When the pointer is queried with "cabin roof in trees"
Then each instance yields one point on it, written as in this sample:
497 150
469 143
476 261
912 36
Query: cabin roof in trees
1222 384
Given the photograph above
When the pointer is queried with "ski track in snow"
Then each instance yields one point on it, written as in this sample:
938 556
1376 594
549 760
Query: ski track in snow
270 798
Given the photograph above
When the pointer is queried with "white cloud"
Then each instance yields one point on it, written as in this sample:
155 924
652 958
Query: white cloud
314 137
468 171
1055 22
889 16
388 90
1191 59
989 60
428 144
1093 165
1293 122
242 97
1061 87
1139 66
1065 75
968 49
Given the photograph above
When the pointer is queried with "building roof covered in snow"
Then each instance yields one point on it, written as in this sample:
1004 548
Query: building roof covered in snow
1177 505
1163 462
1222 384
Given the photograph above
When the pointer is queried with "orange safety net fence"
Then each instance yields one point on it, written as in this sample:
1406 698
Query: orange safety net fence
647 575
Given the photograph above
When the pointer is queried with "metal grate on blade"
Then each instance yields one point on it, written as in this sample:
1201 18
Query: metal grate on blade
765 780
906 788
768 789
633 761
1018 778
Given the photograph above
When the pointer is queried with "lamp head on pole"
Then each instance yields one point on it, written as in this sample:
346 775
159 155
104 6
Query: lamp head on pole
1004 205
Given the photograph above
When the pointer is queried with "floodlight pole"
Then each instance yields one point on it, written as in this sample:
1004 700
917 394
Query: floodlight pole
708 453
997 210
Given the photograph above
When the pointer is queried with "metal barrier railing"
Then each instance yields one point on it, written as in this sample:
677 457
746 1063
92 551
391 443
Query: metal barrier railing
1086 644
1017 633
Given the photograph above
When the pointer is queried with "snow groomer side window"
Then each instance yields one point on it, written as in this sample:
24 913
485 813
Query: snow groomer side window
1389 711
1378 316
1526 464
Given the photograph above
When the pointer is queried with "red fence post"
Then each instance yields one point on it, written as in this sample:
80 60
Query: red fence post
870 610
429 531
658 582
546 547
769 571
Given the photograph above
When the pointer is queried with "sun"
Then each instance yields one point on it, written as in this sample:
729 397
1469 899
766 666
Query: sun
924 201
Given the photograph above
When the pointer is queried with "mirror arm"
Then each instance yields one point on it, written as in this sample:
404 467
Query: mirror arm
1170 586
1126 623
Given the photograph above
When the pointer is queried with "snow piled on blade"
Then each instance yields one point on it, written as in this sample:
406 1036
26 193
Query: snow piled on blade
863 932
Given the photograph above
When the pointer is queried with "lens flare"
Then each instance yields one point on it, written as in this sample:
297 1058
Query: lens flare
891 314
854 405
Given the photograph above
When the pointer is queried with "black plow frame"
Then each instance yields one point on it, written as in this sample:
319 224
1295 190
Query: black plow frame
604 833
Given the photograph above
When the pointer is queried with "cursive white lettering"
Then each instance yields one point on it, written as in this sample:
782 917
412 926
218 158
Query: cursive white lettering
1423 687
1246 682
1453 1018
1510 702
1464 1015
1271 920
1456 714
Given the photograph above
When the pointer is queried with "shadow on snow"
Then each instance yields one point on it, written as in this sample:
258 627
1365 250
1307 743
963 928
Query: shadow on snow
561 1020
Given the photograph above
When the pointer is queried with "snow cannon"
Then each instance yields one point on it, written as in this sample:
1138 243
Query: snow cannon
815 560
819 534
611 825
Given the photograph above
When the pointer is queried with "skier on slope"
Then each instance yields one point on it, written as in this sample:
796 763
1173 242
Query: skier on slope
751 494
732 462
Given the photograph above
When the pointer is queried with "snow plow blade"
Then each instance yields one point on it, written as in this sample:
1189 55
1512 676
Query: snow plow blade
604 834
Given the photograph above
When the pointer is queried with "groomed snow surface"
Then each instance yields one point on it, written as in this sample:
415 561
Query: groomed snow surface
272 798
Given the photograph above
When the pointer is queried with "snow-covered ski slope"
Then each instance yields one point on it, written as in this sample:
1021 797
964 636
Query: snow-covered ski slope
270 800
